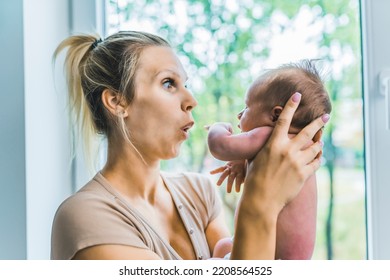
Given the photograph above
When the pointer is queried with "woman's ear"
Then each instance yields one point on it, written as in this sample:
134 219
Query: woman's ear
113 103
275 113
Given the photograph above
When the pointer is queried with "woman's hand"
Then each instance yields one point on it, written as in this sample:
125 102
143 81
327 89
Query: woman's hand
274 177
279 170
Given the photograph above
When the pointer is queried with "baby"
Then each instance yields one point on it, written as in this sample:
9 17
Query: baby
296 226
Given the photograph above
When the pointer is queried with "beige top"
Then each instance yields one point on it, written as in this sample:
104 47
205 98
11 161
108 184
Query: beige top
98 214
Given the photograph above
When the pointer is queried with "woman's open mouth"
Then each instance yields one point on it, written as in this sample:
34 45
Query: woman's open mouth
185 129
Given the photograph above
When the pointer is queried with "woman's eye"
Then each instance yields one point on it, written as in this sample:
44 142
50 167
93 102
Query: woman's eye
168 84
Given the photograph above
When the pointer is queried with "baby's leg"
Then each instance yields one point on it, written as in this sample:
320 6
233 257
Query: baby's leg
296 228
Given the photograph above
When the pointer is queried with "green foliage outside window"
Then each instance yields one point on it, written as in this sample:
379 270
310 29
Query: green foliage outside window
224 45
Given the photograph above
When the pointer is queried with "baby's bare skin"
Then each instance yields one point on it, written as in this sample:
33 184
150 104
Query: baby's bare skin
296 227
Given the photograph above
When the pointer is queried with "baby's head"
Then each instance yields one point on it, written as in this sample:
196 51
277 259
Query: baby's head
269 92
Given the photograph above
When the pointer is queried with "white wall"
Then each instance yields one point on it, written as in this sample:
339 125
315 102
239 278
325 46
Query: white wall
48 163
35 166
50 174
12 133
34 161
36 172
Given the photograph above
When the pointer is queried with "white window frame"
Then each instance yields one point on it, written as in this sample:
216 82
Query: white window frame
87 16
376 59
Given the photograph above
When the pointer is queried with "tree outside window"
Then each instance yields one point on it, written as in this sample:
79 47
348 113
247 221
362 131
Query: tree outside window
224 45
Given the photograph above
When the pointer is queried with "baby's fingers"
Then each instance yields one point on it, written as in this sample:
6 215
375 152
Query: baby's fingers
218 170
239 180
230 182
223 176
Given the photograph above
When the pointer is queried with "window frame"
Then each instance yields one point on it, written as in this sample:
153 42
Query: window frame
376 58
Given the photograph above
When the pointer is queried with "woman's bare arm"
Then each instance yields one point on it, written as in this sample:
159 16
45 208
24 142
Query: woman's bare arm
215 231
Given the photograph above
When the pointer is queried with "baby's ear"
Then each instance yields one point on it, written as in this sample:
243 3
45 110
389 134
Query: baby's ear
275 113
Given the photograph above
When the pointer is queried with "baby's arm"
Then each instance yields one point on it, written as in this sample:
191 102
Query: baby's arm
226 146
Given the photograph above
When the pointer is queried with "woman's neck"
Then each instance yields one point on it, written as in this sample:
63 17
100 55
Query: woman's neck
130 174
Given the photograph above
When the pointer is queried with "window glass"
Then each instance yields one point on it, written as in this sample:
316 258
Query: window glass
224 45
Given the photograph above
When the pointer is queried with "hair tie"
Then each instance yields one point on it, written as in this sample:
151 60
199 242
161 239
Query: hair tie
96 43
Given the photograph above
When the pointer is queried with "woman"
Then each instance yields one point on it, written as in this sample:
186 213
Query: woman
132 88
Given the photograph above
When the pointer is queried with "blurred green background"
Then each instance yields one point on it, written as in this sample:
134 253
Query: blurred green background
224 45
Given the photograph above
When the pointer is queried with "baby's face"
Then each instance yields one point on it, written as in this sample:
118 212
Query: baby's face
253 115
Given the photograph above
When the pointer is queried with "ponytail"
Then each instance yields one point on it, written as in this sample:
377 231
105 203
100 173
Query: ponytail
80 116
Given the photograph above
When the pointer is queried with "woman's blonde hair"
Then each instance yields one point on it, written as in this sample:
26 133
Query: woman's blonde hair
93 65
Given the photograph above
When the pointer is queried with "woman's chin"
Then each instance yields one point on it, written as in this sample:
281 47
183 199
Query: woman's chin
174 153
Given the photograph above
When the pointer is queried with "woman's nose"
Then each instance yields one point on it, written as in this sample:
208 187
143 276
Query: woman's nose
189 102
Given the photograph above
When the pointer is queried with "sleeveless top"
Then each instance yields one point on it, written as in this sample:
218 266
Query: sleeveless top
97 214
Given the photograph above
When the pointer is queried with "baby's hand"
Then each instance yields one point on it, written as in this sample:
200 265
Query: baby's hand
235 171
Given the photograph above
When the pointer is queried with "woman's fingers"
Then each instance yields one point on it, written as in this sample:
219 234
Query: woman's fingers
311 153
283 123
312 167
311 130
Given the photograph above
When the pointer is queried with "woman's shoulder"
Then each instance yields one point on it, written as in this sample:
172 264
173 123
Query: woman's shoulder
94 215
92 196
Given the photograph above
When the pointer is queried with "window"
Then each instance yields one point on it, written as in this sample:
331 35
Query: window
376 63
225 44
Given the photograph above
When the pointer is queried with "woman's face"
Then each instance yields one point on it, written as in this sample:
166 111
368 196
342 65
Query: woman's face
159 117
